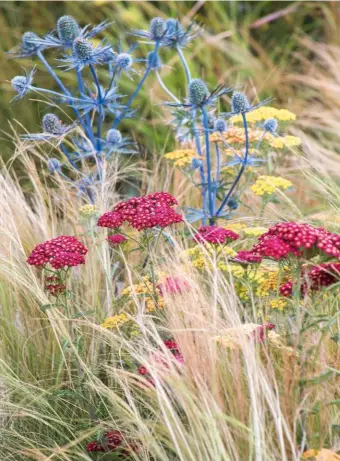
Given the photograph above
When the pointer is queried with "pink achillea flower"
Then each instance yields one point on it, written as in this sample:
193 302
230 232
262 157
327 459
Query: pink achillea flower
286 239
63 251
143 212
116 239
247 257
173 285
215 234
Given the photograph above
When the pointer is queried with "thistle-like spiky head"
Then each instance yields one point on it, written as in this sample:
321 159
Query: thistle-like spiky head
172 25
270 125
114 136
82 49
239 103
157 28
68 29
53 165
19 83
28 40
198 91
51 124
124 61
232 204
154 61
220 125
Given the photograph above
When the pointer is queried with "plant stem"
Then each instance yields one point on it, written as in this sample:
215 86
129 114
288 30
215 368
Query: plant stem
165 88
184 63
201 169
100 102
208 163
218 172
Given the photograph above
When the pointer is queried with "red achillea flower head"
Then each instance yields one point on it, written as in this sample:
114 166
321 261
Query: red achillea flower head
112 220
63 251
247 257
171 345
215 234
159 358
111 441
143 212
94 446
173 285
286 289
273 247
116 239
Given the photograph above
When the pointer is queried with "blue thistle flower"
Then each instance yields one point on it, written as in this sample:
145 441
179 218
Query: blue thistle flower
199 95
54 165
176 36
270 125
220 125
198 92
154 60
52 128
116 143
28 47
83 54
123 61
51 124
196 163
22 84
251 161
241 105
68 30
233 204
157 29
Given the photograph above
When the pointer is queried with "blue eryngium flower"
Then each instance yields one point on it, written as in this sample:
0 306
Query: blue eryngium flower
83 54
241 105
199 95
220 125
232 204
176 36
270 125
52 127
22 84
196 163
154 61
156 32
67 31
54 165
251 161
28 46
116 143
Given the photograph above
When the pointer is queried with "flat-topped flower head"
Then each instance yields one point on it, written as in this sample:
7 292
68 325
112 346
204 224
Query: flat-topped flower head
68 30
215 235
111 220
116 239
60 252
247 257
173 285
268 185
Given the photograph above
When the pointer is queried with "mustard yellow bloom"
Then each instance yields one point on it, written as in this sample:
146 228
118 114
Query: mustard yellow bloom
116 321
88 211
254 231
321 455
181 157
264 112
236 135
268 185
201 258
144 291
278 304
285 141
235 227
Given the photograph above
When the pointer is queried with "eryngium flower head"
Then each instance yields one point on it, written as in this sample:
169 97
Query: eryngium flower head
239 103
68 29
270 125
215 234
63 251
177 36
22 83
157 28
82 49
154 61
52 125
233 204
28 41
83 53
53 165
114 136
198 92
123 61
196 163
220 125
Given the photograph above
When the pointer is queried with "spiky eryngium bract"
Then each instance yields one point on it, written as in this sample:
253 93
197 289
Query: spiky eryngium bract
68 29
53 165
51 124
114 136
82 49
239 103
198 92
270 125
157 28
220 125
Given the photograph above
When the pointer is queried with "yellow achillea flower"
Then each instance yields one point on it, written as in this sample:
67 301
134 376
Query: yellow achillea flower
236 135
268 283
254 231
267 185
285 141
116 321
235 227
88 211
278 304
181 157
264 112
200 259
144 290
321 455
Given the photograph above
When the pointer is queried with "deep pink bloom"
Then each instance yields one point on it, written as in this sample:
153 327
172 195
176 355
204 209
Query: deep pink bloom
54 286
143 212
273 247
173 285
215 234
159 358
258 335
247 257
111 441
116 239
63 251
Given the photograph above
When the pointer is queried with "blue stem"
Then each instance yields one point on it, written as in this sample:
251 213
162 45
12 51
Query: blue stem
218 172
64 150
201 169
208 162
184 63
238 177
100 102
82 92
135 93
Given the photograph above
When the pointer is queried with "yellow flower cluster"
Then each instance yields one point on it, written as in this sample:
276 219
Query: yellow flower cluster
254 231
264 112
181 157
236 135
321 455
267 185
116 321
267 282
278 304
88 211
285 141
201 259
144 290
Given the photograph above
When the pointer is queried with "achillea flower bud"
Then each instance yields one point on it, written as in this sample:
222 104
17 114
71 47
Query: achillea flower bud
239 103
123 61
270 125
82 49
198 92
154 61
51 124
88 211
28 40
68 29
220 125
114 136
157 28
53 165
